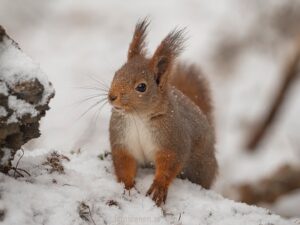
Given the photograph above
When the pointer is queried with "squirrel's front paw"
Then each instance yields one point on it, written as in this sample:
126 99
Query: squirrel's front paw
128 184
159 193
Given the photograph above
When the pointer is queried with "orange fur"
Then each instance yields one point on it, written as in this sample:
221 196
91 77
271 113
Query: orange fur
125 167
168 167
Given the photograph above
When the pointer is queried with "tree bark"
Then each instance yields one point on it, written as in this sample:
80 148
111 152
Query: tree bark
24 99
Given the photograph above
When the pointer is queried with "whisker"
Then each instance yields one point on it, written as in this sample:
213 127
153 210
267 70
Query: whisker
99 110
90 97
93 88
91 107
98 81
94 119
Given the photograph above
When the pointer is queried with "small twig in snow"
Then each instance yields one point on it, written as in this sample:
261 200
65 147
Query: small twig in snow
85 212
18 162
16 169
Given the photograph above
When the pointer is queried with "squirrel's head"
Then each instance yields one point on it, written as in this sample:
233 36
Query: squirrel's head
141 83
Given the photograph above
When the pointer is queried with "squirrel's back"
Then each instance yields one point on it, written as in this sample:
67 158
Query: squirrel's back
191 82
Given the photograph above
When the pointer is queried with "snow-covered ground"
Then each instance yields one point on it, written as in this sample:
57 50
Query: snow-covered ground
77 41
87 188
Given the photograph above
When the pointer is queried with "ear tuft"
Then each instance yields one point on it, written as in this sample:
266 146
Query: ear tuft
166 53
173 44
138 45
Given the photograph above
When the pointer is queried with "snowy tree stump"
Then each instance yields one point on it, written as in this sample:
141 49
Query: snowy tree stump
24 96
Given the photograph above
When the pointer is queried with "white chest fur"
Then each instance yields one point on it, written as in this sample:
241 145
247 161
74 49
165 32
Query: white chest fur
139 139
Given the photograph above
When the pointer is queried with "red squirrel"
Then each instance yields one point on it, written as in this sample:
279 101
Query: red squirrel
161 115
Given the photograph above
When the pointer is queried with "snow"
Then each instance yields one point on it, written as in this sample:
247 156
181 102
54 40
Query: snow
53 198
21 107
3 111
3 89
16 67
7 155
12 119
75 41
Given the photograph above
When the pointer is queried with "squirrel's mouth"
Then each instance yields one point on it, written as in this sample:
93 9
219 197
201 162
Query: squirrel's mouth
119 109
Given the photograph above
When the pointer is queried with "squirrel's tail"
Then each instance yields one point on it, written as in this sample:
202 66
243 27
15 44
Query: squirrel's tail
191 82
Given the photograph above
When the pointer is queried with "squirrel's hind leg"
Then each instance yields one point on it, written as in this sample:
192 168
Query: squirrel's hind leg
201 168
125 167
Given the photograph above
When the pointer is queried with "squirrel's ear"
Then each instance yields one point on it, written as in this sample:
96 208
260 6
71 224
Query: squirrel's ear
165 54
137 45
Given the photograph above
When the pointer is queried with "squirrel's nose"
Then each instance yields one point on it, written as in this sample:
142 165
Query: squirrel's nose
112 97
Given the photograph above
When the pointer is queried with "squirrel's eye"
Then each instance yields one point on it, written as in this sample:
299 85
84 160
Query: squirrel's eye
141 87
